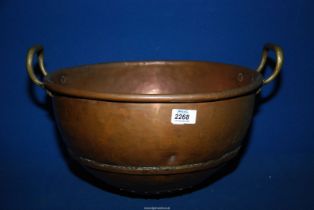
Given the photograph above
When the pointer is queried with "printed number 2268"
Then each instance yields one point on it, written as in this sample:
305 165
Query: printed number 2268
181 116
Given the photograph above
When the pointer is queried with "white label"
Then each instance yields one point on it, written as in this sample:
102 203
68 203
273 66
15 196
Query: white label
183 116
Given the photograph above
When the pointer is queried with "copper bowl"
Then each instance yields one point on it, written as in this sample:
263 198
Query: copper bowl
157 126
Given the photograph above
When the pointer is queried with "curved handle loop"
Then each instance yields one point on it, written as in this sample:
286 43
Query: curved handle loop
39 51
279 61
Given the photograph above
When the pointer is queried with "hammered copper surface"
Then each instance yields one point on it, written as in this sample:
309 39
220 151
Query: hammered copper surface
134 145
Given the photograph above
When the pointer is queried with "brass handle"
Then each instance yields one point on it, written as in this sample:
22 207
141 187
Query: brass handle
39 51
279 61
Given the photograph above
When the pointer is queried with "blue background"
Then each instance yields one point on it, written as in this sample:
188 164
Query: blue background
276 170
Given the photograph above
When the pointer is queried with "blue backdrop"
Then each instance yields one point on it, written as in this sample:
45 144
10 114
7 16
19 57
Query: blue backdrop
275 172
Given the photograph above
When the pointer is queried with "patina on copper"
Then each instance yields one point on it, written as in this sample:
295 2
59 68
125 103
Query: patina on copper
115 117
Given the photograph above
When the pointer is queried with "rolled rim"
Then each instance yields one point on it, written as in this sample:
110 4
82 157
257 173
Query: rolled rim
57 89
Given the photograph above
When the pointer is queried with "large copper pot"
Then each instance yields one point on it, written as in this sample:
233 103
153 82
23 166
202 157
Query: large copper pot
157 126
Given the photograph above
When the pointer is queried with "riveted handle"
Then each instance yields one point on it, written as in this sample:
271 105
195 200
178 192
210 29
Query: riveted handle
279 61
39 51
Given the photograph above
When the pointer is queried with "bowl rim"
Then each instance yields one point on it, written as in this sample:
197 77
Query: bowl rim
60 90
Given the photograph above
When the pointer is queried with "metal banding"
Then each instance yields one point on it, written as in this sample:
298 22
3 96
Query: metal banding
153 170
59 89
